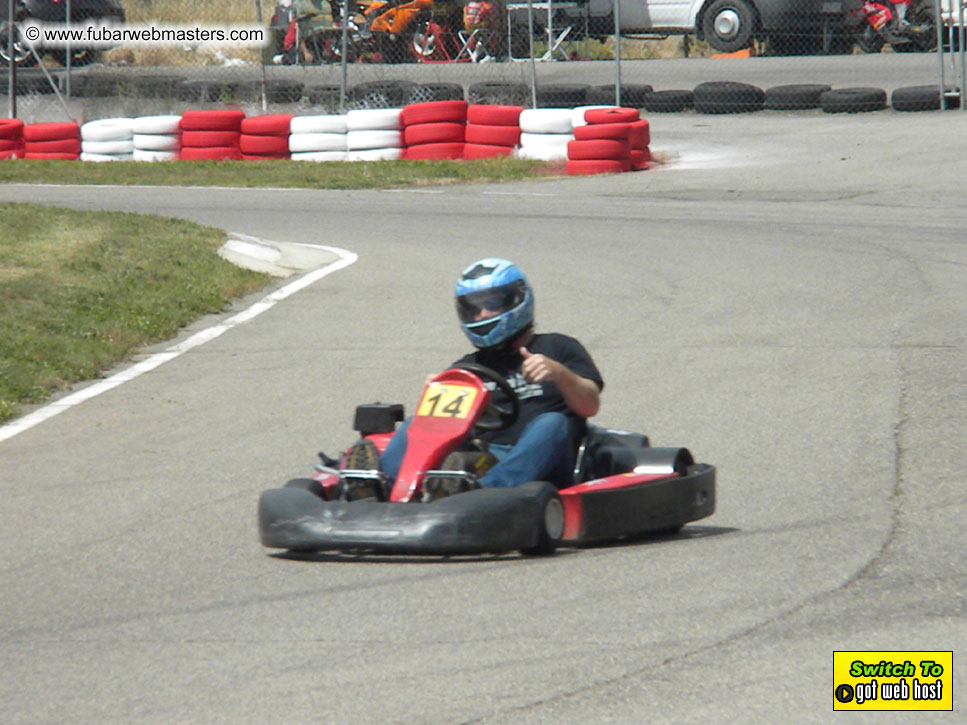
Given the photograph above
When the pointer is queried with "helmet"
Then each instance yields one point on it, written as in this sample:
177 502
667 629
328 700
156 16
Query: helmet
494 302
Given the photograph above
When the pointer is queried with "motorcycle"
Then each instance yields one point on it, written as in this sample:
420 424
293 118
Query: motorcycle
909 26
103 12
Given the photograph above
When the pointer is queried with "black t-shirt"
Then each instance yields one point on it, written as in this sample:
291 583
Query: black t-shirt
537 398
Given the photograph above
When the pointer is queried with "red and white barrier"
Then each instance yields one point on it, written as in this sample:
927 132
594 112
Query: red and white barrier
211 135
11 138
434 130
492 131
60 141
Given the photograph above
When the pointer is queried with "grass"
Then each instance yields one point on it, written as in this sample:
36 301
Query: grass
278 174
80 291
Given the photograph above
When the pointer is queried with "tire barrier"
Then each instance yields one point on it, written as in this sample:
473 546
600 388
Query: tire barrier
492 131
795 96
54 141
211 135
853 100
611 140
318 138
434 130
265 138
156 138
374 134
727 97
107 139
545 133
11 138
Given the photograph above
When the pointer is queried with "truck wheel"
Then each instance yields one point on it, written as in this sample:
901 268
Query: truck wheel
729 25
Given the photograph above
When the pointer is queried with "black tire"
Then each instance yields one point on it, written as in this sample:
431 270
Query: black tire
853 100
30 82
207 91
550 520
325 96
729 25
727 97
632 95
668 101
96 86
307 484
916 98
499 94
795 96
283 91
568 95
379 94
161 86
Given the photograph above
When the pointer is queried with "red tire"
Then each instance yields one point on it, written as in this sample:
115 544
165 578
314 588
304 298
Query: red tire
485 151
263 145
11 128
493 135
56 146
210 153
41 156
207 139
433 133
212 120
264 157
611 115
51 131
640 159
15 154
640 134
485 115
601 149
619 131
434 112
599 166
434 152
273 124
10 144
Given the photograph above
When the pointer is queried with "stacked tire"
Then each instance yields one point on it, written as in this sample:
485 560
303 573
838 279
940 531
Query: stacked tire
434 130
211 135
52 141
492 131
265 138
318 138
374 134
603 144
545 133
107 139
11 138
156 138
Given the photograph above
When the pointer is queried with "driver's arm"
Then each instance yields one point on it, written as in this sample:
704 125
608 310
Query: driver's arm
581 394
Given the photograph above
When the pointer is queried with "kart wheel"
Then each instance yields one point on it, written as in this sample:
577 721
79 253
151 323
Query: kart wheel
868 40
550 520
307 484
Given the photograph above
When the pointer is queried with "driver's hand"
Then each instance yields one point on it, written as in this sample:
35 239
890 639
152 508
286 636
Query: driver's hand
539 368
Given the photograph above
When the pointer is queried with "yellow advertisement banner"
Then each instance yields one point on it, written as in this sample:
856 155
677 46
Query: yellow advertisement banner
893 680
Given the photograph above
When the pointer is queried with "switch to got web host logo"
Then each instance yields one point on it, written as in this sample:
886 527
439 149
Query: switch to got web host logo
893 680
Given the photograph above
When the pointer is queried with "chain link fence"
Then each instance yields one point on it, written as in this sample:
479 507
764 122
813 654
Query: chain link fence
324 57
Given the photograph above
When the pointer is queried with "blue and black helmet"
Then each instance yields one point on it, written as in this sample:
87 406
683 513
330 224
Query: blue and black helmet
495 303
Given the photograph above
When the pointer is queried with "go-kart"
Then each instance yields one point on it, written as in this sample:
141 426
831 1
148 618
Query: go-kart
622 486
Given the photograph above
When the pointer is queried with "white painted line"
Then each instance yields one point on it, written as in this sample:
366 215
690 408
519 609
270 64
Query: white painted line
9 430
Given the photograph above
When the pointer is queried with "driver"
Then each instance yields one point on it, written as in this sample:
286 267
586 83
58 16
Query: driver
555 378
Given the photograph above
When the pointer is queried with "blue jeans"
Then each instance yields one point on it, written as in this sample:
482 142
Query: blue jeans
542 453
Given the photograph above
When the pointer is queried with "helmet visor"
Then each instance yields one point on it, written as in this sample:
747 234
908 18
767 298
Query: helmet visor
478 306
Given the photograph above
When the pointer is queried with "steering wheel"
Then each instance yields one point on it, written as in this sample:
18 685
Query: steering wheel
507 414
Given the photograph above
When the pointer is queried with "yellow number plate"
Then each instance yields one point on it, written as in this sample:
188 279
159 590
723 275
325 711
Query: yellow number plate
447 401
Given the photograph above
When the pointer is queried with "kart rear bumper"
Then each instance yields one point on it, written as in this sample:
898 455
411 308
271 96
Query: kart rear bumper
481 521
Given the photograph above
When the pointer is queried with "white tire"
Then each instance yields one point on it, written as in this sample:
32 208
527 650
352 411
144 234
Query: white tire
545 140
366 119
373 139
156 124
300 142
85 156
542 153
157 141
318 124
319 156
577 114
107 129
107 147
387 154
546 120
143 155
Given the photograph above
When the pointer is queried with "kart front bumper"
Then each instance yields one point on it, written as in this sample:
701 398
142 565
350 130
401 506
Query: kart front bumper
480 521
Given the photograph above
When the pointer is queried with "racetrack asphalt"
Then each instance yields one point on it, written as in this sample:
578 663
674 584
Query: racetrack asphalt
785 296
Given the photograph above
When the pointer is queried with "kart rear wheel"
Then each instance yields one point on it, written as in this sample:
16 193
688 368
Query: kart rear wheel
550 520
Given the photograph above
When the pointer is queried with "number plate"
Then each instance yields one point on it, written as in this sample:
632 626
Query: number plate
447 401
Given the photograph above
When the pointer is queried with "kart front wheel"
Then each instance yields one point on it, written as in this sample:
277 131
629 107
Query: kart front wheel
550 520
